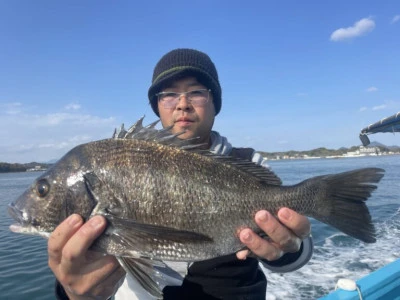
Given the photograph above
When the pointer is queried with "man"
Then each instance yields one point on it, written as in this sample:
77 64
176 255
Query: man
186 94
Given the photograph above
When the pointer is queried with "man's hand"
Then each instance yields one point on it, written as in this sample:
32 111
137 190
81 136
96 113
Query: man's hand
84 274
285 235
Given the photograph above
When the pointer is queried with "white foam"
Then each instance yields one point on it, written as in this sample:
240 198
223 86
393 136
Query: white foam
337 257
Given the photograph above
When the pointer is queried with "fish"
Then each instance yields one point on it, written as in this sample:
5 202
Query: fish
169 199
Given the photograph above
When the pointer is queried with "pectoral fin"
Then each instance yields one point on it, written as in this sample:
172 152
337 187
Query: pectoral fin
134 231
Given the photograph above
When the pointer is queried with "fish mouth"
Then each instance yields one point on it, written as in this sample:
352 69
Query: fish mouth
30 230
15 213
18 216
24 225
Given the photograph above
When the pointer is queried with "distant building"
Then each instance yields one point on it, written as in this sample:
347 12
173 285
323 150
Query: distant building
364 151
35 169
369 150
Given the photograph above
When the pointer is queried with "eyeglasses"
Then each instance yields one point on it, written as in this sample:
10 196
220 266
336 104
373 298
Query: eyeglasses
196 98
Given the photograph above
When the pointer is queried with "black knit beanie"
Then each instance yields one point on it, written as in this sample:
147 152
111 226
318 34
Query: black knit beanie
185 62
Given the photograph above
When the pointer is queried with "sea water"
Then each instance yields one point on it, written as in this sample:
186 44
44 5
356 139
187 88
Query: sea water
24 273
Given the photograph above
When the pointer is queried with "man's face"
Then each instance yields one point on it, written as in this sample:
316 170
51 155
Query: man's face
196 121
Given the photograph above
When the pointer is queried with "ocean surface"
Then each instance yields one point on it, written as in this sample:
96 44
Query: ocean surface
24 273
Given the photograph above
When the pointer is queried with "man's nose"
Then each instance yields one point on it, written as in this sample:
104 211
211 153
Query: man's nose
183 103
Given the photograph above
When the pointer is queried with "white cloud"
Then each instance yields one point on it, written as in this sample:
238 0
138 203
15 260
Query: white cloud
61 145
43 137
58 119
359 28
79 138
395 19
379 107
72 106
371 89
12 108
363 108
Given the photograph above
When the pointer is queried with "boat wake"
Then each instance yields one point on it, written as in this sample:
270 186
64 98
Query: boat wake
338 256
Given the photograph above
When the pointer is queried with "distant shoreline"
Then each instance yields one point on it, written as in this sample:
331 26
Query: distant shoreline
19 168
334 157
319 153
355 151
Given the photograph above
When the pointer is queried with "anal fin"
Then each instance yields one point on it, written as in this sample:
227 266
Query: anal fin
152 275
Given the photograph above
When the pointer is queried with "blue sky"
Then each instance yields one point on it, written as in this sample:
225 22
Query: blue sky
296 75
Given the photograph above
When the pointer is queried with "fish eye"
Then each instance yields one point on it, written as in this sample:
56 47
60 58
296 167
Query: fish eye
42 188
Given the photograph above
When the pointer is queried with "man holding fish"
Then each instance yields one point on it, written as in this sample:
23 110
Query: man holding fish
186 95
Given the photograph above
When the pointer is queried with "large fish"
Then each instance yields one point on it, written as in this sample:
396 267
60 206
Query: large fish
166 199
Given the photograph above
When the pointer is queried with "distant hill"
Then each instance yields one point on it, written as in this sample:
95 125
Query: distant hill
324 152
382 146
7 167
377 144
394 148
319 152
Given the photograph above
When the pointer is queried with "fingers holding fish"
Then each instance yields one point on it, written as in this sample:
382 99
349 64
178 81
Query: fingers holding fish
258 246
280 236
297 223
81 272
270 249
85 236
242 254
98 280
75 252
283 236
60 237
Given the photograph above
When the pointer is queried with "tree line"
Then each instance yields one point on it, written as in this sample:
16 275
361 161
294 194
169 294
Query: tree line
16 167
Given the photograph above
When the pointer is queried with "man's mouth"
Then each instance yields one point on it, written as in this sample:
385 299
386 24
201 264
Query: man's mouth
183 121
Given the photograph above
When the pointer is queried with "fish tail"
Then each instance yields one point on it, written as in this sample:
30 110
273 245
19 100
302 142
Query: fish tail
344 205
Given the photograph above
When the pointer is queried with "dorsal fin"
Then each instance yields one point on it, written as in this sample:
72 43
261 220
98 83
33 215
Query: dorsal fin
263 174
164 136
149 133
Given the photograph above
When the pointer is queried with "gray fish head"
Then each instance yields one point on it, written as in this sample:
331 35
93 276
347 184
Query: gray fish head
51 198
38 209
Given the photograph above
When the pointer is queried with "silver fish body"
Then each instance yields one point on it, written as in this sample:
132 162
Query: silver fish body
178 204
